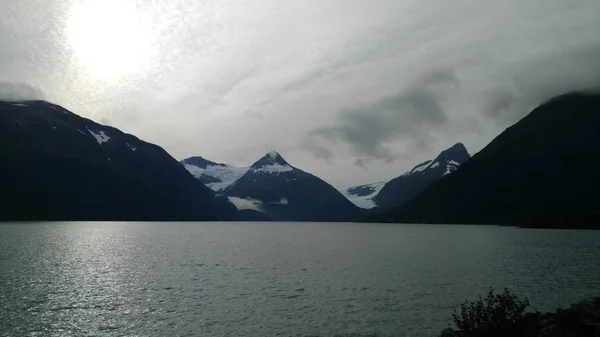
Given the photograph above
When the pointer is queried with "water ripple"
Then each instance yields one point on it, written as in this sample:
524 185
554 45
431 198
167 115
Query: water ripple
79 279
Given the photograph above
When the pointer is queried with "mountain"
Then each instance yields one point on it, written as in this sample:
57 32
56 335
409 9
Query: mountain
59 166
216 176
286 193
362 195
405 187
250 215
542 172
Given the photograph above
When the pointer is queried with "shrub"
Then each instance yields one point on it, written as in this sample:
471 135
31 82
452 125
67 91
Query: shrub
494 315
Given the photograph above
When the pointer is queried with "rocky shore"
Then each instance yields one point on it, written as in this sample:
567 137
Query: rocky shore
582 319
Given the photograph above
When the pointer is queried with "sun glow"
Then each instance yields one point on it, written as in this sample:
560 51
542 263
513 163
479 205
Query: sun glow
108 37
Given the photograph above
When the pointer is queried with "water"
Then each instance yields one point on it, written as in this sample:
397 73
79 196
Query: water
228 279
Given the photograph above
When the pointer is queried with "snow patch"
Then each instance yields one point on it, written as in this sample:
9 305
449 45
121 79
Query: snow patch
364 201
100 137
226 174
451 167
273 155
131 147
282 201
55 128
20 104
436 164
249 203
275 169
83 133
421 167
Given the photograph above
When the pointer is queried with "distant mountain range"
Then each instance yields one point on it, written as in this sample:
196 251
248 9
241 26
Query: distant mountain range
405 187
59 166
267 181
540 172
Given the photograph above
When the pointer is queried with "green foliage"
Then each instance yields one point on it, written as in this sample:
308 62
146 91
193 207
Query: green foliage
499 314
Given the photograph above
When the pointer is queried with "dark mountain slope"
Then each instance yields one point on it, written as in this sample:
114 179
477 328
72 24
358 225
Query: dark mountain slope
542 171
59 166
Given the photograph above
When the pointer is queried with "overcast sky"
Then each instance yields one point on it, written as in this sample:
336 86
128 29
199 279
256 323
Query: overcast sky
354 91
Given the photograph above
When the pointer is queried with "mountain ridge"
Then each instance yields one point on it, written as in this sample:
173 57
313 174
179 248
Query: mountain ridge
61 166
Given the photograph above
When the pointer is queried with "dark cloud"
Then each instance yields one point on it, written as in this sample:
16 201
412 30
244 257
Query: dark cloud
533 82
360 163
319 152
409 115
19 92
499 102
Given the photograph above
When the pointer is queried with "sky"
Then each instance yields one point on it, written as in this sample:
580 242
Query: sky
353 91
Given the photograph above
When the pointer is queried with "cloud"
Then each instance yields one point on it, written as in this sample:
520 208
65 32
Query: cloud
408 123
241 204
360 163
409 115
531 82
19 92
318 151
229 81
353 52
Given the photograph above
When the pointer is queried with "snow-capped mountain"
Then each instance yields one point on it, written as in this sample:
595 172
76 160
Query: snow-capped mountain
217 176
540 172
59 166
286 193
401 189
362 195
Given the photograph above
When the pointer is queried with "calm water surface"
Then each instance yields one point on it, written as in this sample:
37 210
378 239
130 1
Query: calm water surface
230 279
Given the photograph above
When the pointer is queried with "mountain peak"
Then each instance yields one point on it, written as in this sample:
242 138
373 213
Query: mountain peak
271 158
458 152
405 187
273 154
286 193
458 147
